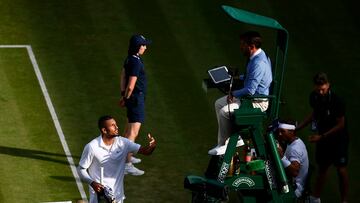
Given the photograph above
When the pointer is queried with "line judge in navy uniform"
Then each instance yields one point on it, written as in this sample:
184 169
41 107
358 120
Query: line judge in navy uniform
331 136
133 91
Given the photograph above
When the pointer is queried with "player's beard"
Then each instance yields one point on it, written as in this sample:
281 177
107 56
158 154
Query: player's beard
113 134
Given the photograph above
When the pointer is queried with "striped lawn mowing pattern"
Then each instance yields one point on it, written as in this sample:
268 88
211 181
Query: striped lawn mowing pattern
80 47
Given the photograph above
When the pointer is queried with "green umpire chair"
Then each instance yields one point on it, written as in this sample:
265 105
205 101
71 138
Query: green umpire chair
263 179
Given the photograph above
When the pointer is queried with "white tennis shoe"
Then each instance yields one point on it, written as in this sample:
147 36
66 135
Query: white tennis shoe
221 149
135 160
132 170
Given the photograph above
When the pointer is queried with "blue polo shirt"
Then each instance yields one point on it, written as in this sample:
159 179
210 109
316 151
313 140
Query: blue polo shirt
134 66
258 77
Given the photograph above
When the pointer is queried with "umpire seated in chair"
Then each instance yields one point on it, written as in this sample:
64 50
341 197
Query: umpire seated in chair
257 81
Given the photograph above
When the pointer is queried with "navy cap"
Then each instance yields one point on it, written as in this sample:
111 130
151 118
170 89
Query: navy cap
137 40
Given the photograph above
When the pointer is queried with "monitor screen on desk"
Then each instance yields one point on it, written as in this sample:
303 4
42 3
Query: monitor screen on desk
219 74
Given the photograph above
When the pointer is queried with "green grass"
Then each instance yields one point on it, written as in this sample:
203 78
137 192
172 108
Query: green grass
33 162
80 47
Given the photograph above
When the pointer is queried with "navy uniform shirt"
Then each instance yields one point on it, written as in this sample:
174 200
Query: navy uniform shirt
134 66
327 109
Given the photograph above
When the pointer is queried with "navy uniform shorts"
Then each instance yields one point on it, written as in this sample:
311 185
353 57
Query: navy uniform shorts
135 106
332 151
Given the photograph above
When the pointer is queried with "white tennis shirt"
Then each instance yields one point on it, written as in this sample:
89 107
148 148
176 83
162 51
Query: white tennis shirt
96 154
296 151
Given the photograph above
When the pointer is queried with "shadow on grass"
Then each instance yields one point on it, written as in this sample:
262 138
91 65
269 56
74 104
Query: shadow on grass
34 154
64 178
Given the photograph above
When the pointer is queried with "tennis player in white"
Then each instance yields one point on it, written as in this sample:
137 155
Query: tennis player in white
108 151
295 158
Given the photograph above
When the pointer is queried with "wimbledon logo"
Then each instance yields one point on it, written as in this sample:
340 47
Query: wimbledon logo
244 180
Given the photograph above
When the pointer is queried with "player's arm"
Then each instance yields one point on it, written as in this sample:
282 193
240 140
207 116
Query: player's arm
147 150
84 163
293 168
86 177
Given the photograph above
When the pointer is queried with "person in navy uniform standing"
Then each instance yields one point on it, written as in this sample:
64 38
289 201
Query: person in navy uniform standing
331 137
133 91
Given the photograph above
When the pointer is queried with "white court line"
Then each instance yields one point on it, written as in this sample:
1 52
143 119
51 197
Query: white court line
53 115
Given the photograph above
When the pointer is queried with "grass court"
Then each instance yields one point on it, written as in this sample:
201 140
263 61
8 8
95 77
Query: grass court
80 46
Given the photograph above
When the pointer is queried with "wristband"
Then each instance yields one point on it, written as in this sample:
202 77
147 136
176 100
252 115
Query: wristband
285 162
